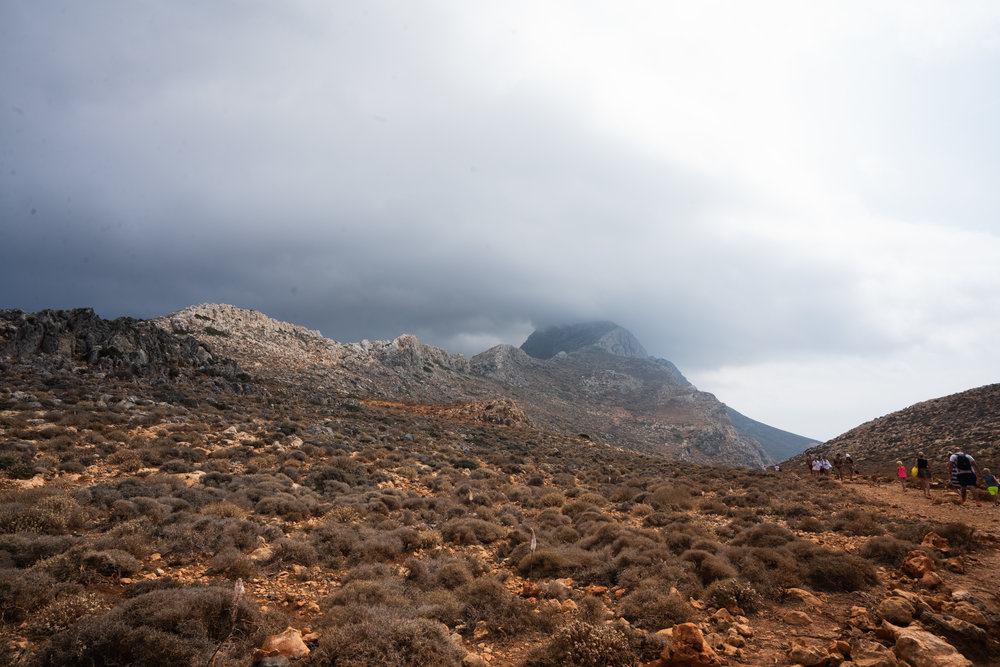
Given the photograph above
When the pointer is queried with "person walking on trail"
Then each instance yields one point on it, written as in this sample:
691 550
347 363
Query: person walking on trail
838 466
849 466
817 467
966 469
901 473
991 485
924 474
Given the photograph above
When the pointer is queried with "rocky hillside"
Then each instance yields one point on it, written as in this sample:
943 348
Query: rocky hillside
598 380
127 348
969 420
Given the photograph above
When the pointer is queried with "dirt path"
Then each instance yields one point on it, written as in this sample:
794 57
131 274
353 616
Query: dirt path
982 574
941 506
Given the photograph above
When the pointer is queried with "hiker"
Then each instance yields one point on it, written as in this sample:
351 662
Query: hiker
901 473
924 473
849 466
817 467
838 465
991 485
964 468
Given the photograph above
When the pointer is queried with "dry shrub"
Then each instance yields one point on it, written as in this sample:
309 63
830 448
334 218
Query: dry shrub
486 599
886 550
653 607
387 640
708 566
23 591
471 531
764 535
548 563
584 645
828 570
64 612
671 496
40 511
729 593
960 536
179 626
225 508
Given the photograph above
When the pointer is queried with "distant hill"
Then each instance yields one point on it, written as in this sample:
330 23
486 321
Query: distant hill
779 444
969 420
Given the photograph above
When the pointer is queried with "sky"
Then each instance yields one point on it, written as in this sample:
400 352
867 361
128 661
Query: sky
796 203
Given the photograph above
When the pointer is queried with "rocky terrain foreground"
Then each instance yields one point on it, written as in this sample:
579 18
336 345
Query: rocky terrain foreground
163 504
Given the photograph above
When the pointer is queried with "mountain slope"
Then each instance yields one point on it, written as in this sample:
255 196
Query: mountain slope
779 444
598 380
969 420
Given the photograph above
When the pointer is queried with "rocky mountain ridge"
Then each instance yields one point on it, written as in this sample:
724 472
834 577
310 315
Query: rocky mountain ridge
79 339
623 399
626 399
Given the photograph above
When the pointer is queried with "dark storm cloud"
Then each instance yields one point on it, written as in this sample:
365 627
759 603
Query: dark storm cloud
338 168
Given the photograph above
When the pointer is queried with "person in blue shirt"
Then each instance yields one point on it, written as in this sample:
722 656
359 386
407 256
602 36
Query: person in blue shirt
991 485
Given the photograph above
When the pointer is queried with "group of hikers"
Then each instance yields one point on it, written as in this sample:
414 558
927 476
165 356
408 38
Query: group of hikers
963 472
840 466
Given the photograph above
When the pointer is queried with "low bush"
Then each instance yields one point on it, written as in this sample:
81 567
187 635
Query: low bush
178 626
652 607
886 550
584 645
387 640
729 593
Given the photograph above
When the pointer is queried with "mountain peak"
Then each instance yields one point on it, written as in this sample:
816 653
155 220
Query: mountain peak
547 343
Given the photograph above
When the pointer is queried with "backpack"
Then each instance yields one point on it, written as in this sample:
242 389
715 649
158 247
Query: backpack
963 462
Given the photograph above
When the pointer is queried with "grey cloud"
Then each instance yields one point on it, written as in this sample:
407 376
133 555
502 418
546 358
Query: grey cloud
344 178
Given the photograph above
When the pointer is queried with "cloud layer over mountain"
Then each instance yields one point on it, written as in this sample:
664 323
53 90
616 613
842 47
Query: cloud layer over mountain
794 203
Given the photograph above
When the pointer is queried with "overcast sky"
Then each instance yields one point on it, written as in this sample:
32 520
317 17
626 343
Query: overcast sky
797 203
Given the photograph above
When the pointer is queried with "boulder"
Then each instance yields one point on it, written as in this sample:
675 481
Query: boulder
804 596
968 612
289 644
931 580
860 618
474 660
920 605
971 639
896 610
934 541
917 564
797 618
688 649
811 655
921 648
956 565
867 653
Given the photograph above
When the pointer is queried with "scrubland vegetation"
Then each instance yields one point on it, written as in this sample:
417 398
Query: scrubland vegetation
396 536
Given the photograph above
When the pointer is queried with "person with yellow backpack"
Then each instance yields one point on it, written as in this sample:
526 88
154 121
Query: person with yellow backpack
923 472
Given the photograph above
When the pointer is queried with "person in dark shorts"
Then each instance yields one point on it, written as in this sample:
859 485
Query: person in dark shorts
849 466
924 474
967 469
